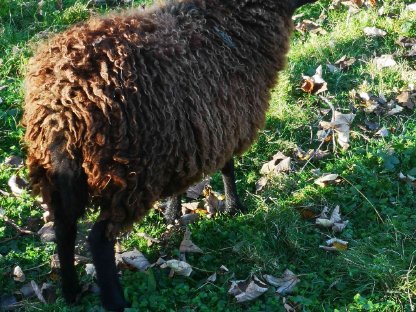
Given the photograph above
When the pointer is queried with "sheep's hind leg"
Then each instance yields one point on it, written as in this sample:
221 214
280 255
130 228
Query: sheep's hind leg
232 200
173 209
102 250
68 202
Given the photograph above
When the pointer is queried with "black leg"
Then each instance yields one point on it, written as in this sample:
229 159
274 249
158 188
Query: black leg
102 250
173 209
68 200
232 200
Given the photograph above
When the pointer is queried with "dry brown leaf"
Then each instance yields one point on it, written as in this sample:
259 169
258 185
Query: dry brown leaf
411 7
195 191
307 213
384 61
178 267
47 233
284 284
190 207
18 274
214 202
345 62
38 292
406 42
187 245
328 178
279 163
407 99
212 278
90 269
14 161
135 259
315 84
341 125
247 290
308 26
188 218
374 32
261 184
17 184
335 244
335 221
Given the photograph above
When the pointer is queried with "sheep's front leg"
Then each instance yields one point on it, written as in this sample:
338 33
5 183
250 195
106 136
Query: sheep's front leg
102 250
173 209
232 200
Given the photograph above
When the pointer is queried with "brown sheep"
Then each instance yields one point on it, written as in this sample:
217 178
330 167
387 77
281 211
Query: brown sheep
126 109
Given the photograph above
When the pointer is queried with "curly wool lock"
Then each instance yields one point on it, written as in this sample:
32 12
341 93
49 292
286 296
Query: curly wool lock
146 103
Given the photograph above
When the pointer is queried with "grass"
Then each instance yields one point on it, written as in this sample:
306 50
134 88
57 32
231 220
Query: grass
376 273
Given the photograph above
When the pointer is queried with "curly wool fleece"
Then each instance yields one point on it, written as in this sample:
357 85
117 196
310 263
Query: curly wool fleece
147 102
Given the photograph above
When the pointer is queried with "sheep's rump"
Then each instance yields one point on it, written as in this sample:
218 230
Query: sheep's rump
147 102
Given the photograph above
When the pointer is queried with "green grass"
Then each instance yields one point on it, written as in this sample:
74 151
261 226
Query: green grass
376 273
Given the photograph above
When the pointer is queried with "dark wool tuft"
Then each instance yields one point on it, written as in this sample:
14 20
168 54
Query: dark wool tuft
147 102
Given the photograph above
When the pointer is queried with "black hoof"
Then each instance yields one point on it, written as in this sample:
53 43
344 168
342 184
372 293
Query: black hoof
234 208
72 295
116 306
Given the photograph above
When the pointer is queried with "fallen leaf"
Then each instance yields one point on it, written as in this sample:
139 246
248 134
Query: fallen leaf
315 84
214 202
135 259
384 61
13 161
345 62
17 184
411 7
335 244
407 99
289 306
18 274
247 290
195 191
395 110
38 292
90 269
374 32
261 184
328 178
341 125
406 42
308 26
335 222
383 132
190 207
178 267
187 245
285 284
188 218
224 268
212 278
279 163
47 233
77 260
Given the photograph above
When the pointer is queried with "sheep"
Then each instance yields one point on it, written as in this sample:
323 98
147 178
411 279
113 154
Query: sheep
125 109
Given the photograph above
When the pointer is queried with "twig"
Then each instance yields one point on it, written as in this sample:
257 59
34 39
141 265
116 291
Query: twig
315 152
327 101
18 228
9 239
365 197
